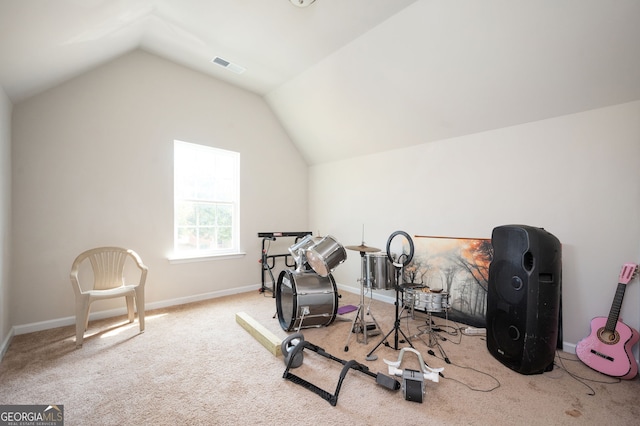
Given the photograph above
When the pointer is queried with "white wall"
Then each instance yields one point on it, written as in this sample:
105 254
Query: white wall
578 176
92 165
5 219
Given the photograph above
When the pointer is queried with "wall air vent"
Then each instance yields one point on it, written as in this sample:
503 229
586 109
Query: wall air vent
228 65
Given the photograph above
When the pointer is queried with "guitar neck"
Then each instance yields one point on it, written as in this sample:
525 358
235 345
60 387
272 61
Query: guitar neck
614 313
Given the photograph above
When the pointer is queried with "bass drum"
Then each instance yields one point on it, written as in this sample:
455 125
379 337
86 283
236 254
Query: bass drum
305 299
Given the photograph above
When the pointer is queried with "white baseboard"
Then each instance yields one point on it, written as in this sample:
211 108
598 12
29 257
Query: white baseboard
63 322
569 347
201 297
376 296
6 343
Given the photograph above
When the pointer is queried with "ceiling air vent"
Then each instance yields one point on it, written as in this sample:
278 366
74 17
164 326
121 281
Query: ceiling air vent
301 3
228 65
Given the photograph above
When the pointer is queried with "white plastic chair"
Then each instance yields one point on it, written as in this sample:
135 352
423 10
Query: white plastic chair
108 265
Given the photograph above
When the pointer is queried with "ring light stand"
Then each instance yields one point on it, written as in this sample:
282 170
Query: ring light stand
399 266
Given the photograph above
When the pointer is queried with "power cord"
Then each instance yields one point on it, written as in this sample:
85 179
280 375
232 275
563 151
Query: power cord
453 331
580 379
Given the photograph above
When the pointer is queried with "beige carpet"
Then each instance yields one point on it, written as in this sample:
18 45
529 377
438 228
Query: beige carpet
195 365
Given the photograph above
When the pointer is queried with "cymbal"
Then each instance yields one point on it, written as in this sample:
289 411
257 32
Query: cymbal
362 248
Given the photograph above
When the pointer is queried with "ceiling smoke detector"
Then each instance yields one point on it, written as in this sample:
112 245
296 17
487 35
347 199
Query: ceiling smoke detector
301 3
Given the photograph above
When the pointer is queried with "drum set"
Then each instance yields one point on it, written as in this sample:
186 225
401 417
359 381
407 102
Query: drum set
307 296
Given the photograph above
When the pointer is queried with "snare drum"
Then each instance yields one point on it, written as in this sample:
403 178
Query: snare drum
304 299
427 301
325 255
432 302
380 271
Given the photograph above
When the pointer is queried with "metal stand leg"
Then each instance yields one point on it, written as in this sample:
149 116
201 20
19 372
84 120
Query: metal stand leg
434 338
359 323
396 328
377 329
353 327
433 335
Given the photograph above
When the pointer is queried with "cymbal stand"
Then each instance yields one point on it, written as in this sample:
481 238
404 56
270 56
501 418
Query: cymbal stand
396 326
359 322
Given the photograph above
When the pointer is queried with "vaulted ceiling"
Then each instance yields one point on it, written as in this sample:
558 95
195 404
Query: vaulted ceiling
352 77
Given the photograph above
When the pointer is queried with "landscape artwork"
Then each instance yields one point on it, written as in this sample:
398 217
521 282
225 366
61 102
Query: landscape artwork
458 266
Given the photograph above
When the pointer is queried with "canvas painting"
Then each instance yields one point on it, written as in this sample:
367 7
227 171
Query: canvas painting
458 266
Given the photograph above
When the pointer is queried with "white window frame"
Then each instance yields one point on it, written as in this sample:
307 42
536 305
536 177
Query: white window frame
208 176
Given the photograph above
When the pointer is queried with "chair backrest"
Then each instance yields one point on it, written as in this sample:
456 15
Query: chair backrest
107 264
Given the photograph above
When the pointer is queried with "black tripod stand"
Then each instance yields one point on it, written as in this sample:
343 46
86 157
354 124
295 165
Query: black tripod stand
399 269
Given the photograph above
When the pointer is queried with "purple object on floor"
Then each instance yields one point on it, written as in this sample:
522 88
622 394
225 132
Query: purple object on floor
346 309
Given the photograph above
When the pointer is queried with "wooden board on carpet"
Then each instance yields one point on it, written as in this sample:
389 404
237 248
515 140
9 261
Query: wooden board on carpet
260 333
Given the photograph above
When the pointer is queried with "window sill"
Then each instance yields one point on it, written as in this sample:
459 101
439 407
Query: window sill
205 258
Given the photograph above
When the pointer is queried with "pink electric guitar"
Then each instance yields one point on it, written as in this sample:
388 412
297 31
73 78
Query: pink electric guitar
608 348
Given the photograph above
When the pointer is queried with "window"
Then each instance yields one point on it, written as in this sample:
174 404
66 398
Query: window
206 200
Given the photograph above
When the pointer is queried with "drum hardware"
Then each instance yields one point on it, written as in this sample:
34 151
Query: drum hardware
298 252
371 329
429 301
412 380
399 266
434 338
359 325
381 379
268 261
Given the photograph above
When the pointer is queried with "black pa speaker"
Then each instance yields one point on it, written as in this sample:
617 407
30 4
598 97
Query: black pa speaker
524 299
